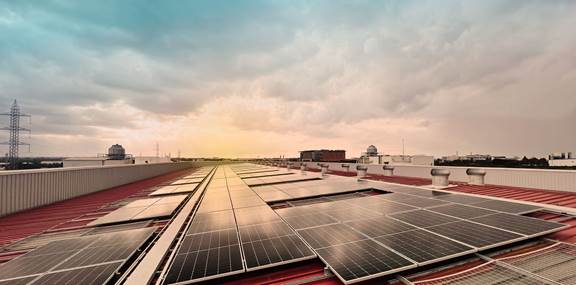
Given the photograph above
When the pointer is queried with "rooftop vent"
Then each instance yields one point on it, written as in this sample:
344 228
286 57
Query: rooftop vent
116 152
476 176
440 176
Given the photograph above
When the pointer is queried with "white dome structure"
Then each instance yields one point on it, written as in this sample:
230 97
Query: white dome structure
372 151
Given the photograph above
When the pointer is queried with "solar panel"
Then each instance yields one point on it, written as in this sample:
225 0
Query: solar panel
423 218
93 275
296 211
175 189
20 281
259 175
395 196
31 265
308 221
519 224
461 211
206 222
264 231
508 207
77 252
423 202
275 251
475 235
205 264
462 199
43 239
207 240
279 180
255 215
142 209
329 235
382 206
380 226
117 228
424 247
361 260
349 214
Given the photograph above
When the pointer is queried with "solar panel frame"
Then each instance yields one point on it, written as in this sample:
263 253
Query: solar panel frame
475 235
520 224
290 246
329 235
461 211
423 218
310 221
380 226
424 247
508 207
204 256
81 275
358 251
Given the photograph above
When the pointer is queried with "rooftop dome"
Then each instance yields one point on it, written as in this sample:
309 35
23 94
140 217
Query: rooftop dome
372 150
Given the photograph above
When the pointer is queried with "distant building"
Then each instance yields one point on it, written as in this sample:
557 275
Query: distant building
323 155
116 156
371 156
561 159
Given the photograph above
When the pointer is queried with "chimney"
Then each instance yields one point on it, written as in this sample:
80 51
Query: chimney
361 171
476 176
388 170
440 176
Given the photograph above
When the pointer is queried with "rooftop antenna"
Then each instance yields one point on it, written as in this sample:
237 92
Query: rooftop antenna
14 128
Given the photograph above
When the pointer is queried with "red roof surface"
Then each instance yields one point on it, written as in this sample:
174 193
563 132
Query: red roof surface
77 212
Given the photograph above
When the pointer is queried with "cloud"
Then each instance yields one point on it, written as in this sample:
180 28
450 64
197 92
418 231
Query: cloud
316 72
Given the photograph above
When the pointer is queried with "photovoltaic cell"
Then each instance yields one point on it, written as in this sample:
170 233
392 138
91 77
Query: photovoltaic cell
205 264
364 259
30 265
475 235
353 213
255 215
209 240
264 231
461 211
508 207
329 235
206 222
308 221
424 247
462 199
279 250
94 275
519 224
380 226
423 202
423 218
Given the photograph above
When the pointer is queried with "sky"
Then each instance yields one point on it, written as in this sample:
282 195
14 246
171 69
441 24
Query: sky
270 78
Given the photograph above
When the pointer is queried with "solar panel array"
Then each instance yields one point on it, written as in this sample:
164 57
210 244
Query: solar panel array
175 189
84 260
279 179
359 235
412 227
142 209
233 224
304 189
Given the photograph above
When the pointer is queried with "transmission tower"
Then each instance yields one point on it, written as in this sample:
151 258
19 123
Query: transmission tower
14 128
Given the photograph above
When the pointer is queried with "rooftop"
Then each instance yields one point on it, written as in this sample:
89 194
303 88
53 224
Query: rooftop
255 224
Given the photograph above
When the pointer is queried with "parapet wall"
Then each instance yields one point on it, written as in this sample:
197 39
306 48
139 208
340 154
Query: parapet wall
26 189
559 180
